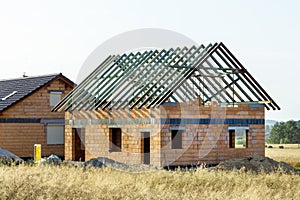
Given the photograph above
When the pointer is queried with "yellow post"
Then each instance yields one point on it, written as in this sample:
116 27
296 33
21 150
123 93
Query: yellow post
37 152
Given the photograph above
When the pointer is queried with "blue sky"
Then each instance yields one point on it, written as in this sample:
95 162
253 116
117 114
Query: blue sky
41 37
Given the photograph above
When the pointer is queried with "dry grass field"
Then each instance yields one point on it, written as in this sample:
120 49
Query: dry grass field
50 182
64 182
290 154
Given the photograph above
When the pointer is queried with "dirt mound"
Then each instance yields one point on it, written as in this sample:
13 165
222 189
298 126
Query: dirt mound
256 164
106 162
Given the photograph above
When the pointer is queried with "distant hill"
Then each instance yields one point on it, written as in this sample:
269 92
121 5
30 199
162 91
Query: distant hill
270 122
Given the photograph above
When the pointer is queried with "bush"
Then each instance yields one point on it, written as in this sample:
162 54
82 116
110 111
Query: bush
4 160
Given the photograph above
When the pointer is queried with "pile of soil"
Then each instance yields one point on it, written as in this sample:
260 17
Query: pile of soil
106 162
256 164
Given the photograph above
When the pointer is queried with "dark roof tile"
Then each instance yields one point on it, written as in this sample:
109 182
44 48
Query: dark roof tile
13 90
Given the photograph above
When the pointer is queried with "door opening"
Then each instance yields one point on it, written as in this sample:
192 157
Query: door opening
146 147
79 134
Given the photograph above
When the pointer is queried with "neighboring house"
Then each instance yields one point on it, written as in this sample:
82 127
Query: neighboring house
162 107
25 114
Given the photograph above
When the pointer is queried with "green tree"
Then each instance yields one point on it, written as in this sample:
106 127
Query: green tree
298 137
285 133
291 132
268 128
277 133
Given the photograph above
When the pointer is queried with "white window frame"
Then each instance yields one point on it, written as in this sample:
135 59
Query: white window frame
55 134
244 131
55 97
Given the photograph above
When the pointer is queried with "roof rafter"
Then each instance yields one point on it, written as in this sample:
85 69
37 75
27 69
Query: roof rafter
151 78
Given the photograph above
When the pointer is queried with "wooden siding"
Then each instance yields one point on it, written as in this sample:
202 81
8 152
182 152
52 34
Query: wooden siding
19 138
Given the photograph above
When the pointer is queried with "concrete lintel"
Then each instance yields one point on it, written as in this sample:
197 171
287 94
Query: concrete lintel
145 130
238 128
179 128
115 126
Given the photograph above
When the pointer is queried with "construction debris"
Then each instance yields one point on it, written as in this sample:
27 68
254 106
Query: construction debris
53 159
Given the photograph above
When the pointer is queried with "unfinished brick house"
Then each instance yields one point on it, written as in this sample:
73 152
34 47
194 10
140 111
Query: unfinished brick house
172 107
25 114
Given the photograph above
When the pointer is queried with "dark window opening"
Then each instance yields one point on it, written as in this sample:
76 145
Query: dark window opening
177 139
115 139
232 139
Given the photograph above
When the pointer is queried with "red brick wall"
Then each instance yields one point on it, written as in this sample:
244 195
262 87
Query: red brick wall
212 148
